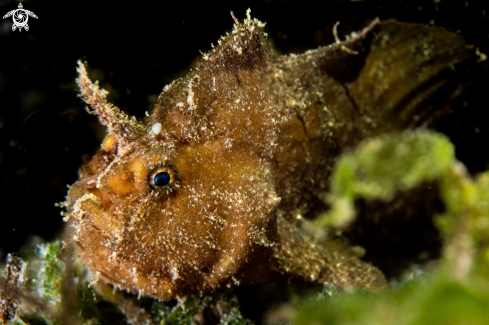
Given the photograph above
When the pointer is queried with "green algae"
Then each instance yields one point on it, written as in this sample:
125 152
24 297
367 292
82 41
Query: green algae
455 292
381 166
96 303
430 300
49 280
223 307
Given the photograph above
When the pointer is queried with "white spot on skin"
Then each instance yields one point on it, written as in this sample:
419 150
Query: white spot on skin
190 96
174 274
156 128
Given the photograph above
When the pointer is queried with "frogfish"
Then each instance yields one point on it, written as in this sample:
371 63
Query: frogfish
211 189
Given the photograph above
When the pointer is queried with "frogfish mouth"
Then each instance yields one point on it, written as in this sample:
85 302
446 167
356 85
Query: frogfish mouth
211 189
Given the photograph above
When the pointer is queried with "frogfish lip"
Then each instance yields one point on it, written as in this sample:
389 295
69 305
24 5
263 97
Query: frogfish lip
86 186
95 225
105 199
90 212
93 207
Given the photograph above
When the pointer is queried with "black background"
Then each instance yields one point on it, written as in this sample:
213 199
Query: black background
135 48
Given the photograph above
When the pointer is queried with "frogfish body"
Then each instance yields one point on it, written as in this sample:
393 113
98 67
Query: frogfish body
210 190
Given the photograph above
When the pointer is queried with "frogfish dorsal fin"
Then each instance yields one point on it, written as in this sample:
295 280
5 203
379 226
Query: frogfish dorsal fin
244 47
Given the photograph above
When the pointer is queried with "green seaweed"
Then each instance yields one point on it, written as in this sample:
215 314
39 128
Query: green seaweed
457 292
433 300
381 166
50 277
49 267
223 306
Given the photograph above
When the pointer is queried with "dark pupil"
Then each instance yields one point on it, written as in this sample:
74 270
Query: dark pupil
162 179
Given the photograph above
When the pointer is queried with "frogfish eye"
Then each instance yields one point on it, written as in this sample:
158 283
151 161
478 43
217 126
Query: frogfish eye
163 177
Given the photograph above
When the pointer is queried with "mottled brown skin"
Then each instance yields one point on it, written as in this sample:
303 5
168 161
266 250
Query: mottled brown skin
252 137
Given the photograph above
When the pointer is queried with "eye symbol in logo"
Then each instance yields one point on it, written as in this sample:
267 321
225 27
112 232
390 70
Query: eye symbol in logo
20 17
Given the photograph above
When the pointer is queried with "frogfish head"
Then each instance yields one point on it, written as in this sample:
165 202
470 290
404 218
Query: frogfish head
178 202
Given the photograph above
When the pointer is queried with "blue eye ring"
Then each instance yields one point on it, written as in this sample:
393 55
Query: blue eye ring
164 178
